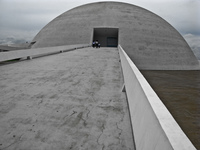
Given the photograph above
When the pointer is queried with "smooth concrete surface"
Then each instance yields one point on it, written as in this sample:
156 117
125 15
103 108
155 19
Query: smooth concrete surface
150 41
154 128
69 101
30 53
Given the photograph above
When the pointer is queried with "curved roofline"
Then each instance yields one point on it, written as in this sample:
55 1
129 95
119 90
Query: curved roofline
118 3
150 41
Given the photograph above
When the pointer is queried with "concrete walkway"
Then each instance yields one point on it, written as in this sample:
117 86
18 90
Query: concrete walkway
70 101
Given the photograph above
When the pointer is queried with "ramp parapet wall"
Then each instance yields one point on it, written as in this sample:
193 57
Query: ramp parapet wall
154 128
30 53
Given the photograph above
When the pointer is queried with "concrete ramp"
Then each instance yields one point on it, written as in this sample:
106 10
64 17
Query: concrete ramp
153 125
71 100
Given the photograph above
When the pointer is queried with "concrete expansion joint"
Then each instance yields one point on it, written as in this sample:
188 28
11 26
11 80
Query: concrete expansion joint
120 133
98 139
80 116
84 121
74 112
87 112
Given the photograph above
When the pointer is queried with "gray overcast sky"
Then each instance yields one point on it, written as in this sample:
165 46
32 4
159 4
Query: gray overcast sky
21 20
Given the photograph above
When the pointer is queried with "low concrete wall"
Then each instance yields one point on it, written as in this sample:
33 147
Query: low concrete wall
30 53
154 128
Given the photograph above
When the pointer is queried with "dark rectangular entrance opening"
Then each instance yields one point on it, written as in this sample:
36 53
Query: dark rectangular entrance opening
107 37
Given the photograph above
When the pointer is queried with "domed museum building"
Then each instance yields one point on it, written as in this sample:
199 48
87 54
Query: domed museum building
150 41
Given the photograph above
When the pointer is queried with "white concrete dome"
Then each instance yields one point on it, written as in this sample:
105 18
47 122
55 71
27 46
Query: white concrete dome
149 40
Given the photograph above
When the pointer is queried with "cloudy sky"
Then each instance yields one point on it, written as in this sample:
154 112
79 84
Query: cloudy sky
21 20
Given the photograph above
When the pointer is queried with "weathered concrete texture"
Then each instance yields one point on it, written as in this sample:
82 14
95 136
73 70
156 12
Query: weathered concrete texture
67 101
151 42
